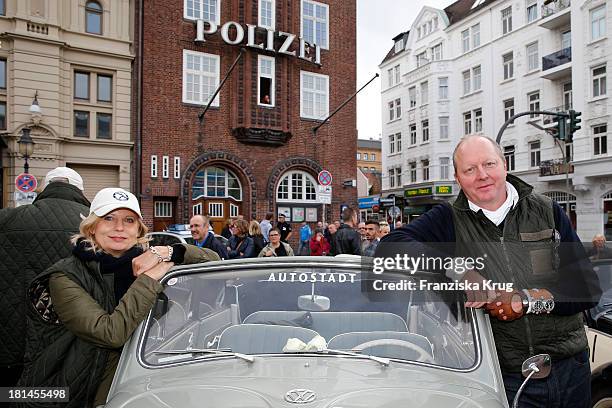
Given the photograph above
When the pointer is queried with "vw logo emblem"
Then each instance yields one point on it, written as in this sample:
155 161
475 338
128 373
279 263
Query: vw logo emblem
120 196
300 396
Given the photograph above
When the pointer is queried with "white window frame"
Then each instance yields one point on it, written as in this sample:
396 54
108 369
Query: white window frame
508 65
533 103
226 184
391 106
508 110
398 176
163 209
535 152
443 88
444 127
392 144
436 52
234 210
475 30
600 80
444 168
506 17
154 166
390 82
533 56
465 40
466 79
412 96
373 157
165 166
477 114
201 4
315 92
398 108
197 209
509 154
598 21
532 5
273 16
425 169
424 93
425 131
272 77
358 156
177 167
397 72
413 134
467 123
412 169
216 61
399 45
391 173
305 177
476 78
422 59
215 210
365 156
600 140
398 142
316 20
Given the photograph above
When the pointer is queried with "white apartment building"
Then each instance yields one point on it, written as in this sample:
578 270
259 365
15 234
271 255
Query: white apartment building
467 68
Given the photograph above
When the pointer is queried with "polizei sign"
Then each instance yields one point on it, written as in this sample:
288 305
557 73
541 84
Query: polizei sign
303 50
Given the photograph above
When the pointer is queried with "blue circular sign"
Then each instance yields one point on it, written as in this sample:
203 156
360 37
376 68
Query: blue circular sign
26 183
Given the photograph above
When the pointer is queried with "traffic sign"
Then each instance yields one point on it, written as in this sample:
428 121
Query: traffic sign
26 183
325 193
325 178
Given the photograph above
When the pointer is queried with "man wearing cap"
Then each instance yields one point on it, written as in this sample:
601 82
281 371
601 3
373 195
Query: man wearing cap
32 238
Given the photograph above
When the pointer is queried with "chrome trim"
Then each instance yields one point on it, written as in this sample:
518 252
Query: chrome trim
300 396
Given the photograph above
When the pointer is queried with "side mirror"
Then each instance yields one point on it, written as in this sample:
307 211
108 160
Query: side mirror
537 366
313 303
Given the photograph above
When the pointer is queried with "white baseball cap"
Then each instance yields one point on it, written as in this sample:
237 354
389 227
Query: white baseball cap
66 173
111 198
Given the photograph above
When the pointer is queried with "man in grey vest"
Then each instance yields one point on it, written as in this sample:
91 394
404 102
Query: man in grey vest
498 213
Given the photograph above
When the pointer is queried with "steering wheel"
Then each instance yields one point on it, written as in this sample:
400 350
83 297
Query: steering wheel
423 355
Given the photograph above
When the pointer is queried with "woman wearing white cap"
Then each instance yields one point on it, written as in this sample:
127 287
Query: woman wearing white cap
85 307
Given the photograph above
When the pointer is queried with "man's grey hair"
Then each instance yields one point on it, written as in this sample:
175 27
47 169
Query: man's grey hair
464 139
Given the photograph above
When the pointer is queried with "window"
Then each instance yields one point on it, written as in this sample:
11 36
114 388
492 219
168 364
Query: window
509 155
566 39
399 45
216 182
395 109
105 88
197 209
81 85
422 59
436 52
424 93
93 17
81 123
398 176
315 23
533 60
476 78
391 111
478 120
413 134
444 168
413 171
391 178
2 74
506 15
267 13
534 154
314 90
165 166
215 210
207 10
398 142
443 127
233 210
296 186
396 71
365 156
154 166
104 125
508 109
600 139
599 81
373 157
508 65
391 144
467 81
390 77
200 77
372 168
598 22
358 156
425 130
534 103
266 80
163 209
412 96
3 115
425 167
532 11
475 35
443 88
465 40
467 123
2 7
567 96
177 167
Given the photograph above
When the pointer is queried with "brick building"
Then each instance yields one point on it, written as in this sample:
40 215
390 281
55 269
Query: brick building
255 150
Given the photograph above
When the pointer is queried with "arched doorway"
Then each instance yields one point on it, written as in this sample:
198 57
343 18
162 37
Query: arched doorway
607 212
564 199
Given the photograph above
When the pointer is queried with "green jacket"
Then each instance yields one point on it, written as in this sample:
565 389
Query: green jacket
76 333
32 238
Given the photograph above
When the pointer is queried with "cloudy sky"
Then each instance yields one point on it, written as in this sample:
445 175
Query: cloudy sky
378 21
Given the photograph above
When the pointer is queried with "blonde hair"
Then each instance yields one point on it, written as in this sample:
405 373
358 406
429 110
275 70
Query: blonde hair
254 228
88 226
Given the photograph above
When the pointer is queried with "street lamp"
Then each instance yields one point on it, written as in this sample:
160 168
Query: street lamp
35 110
26 147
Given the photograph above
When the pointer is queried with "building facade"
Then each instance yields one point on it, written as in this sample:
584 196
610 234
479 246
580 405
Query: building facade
254 150
74 58
369 172
468 68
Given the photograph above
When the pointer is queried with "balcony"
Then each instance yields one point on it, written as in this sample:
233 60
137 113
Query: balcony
557 65
555 14
550 120
556 167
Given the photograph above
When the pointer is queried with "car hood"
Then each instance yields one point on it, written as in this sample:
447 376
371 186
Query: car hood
335 383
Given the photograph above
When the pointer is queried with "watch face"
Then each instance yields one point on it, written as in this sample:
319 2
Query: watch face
538 306
549 305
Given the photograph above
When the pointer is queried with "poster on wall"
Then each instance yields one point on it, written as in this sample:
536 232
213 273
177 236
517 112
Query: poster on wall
311 215
298 214
286 211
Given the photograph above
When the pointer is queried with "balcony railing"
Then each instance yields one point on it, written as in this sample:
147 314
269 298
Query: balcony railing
554 7
551 119
557 58
555 167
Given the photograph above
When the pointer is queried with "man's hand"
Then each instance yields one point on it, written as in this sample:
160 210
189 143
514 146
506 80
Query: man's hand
148 260
507 306
477 298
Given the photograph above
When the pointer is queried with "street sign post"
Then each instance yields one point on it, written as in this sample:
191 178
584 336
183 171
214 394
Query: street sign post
26 183
325 179
325 193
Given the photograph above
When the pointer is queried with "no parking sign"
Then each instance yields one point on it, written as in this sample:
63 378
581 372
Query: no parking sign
26 183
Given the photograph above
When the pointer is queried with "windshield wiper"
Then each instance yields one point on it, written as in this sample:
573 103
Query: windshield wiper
217 352
384 361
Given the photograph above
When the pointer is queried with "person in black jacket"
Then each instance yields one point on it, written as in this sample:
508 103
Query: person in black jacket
199 225
347 239
257 236
33 237
240 244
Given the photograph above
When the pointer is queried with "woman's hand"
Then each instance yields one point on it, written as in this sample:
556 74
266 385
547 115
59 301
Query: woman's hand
148 260
159 270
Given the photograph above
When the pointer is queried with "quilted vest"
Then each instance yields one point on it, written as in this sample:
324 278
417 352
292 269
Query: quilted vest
55 357
520 252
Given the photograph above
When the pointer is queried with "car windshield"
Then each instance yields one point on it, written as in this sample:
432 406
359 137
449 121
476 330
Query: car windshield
604 273
284 311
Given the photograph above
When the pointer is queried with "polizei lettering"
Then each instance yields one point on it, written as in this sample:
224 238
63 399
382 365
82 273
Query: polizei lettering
300 48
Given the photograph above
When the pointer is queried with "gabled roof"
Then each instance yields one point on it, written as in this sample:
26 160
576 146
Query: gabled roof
368 144
392 53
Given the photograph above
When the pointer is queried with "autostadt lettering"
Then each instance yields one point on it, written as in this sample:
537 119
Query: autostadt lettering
324 277
308 52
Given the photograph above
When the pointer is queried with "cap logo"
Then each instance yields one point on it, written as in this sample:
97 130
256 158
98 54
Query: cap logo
120 196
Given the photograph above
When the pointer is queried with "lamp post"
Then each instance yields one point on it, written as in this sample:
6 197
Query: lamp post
26 147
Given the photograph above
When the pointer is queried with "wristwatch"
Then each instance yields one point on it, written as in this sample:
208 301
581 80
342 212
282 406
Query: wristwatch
536 305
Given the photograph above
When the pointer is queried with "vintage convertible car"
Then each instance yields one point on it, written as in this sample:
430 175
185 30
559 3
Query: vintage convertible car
301 330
